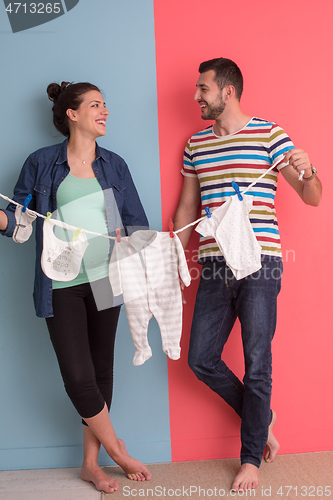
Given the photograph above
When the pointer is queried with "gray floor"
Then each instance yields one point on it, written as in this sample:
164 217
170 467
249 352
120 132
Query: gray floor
48 484
290 476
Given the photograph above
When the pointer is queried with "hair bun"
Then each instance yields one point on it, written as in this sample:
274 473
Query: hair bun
67 95
54 90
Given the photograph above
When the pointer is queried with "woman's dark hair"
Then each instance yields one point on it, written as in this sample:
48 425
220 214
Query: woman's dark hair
66 96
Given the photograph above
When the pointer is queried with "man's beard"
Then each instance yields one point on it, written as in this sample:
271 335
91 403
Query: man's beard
214 110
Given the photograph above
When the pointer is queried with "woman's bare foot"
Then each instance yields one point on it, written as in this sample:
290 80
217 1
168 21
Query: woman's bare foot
272 446
134 469
102 481
247 478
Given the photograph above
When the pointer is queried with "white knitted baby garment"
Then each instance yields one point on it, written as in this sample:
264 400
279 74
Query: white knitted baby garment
230 226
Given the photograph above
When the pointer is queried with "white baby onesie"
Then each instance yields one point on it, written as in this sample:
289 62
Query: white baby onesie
61 260
232 230
144 268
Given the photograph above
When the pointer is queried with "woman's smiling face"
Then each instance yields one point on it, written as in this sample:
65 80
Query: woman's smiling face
90 118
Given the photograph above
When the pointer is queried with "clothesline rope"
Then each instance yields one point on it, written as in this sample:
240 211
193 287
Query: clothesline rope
258 179
115 237
73 228
241 192
189 225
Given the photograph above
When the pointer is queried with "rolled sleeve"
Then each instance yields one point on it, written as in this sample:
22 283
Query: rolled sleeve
11 222
24 186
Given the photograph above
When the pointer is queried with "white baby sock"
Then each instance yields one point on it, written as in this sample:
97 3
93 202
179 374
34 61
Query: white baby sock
23 227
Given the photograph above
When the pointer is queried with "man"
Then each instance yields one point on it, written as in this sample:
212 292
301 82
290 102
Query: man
239 148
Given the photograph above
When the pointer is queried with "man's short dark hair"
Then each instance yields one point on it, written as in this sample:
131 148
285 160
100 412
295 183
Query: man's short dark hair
226 73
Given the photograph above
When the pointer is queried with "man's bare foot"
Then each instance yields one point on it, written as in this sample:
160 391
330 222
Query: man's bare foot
247 478
103 482
272 446
134 469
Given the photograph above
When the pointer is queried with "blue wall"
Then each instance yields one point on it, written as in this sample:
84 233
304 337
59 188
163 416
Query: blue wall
109 43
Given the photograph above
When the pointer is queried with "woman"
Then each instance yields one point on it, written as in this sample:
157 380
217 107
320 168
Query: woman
89 187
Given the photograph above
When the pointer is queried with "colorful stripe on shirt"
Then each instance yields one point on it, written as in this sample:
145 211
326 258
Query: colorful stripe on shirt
241 157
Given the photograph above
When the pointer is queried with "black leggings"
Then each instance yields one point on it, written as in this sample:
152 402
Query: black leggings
83 339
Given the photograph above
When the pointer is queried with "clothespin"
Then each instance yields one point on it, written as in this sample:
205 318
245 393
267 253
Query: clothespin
171 228
26 202
208 212
118 232
76 234
48 216
236 188
300 177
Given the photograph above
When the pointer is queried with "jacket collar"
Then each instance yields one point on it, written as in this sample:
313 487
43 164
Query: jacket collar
62 157
100 153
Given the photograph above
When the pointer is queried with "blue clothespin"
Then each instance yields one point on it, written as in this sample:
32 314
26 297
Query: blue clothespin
236 188
26 202
208 213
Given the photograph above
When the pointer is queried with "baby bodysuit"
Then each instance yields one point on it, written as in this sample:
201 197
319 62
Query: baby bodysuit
232 230
145 268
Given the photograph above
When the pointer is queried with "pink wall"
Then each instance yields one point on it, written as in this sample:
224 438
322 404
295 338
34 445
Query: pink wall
284 50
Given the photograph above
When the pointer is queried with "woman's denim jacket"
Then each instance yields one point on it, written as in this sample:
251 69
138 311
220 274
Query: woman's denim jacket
42 174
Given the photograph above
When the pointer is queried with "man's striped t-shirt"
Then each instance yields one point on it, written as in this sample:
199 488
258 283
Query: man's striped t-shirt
241 157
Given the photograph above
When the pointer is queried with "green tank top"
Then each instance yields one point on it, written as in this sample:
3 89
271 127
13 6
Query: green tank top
81 203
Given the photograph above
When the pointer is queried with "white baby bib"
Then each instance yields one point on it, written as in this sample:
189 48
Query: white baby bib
61 260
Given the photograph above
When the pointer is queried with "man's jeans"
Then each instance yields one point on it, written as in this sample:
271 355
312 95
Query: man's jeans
220 300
